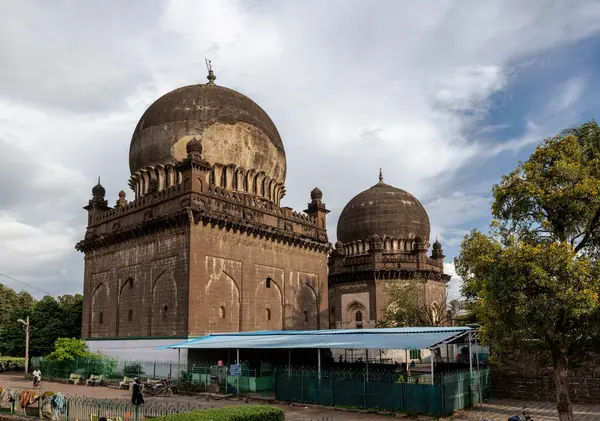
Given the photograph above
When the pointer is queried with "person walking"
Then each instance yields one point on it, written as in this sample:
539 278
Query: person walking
136 397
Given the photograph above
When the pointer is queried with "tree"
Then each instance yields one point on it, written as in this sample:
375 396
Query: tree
69 349
535 277
408 306
50 319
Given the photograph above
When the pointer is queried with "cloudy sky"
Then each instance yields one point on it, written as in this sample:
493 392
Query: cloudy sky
445 96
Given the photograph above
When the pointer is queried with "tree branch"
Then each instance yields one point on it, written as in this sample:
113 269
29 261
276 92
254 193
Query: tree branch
588 233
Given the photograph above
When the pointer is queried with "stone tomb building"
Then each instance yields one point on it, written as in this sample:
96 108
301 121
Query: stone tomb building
382 236
204 246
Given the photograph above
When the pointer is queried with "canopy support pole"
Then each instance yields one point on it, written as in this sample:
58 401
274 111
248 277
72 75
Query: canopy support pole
470 357
290 362
431 358
367 358
237 359
319 362
178 362
406 352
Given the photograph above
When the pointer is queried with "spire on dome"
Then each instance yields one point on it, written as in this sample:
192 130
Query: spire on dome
380 176
211 75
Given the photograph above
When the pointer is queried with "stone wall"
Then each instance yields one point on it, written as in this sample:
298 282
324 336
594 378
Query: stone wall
245 282
530 379
138 288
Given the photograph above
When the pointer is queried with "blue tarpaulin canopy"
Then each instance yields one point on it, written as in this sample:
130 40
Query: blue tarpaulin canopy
389 338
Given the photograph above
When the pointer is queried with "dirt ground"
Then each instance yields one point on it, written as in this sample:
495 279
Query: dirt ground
493 410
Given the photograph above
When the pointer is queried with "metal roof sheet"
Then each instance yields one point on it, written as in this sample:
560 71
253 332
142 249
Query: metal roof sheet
389 338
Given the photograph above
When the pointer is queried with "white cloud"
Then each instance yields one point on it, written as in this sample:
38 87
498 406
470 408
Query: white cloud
455 282
351 88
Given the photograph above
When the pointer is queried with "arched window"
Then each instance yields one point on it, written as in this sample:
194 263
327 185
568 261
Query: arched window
268 282
101 318
221 312
305 316
358 318
165 310
130 315
268 314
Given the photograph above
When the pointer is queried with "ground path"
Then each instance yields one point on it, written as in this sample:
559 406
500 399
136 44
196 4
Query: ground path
495 410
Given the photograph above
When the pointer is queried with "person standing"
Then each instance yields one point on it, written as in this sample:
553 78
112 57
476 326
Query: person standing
136 397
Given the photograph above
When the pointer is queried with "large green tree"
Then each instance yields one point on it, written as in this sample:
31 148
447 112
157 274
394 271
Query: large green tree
535 277
50 319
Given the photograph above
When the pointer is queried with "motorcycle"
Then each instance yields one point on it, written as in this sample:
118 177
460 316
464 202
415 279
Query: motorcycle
523 417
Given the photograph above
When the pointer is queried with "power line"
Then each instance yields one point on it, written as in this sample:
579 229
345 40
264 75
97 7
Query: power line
26 284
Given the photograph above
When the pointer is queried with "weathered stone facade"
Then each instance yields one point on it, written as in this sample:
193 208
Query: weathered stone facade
382 235
205 246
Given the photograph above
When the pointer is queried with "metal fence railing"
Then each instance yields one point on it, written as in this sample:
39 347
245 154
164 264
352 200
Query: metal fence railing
73 408
187 377
447 393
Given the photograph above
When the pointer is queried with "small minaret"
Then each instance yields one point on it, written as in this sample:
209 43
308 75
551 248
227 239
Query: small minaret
194 169
438 254
317 209
121 201
97 205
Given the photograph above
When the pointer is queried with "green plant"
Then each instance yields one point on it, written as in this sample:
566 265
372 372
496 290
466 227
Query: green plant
133 370
237 413
17 360
68 349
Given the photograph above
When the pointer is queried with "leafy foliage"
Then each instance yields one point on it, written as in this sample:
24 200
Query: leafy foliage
534 282
50 319
68 349
408 307
133 370
236 413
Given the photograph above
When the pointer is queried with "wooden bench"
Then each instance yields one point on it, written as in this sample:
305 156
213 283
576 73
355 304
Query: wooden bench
74 378
94 380
127 383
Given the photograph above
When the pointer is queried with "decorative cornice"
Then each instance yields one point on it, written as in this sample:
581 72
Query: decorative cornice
388 275
181 218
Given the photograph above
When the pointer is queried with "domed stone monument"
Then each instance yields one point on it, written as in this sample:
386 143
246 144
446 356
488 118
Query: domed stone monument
204 246
382 236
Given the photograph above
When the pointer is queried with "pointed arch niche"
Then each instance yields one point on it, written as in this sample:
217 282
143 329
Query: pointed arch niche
222 303
163 309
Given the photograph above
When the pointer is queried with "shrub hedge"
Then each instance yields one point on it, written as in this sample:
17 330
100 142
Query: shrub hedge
235 413
13 359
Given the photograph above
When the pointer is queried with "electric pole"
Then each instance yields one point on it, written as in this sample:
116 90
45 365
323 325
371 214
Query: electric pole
27 326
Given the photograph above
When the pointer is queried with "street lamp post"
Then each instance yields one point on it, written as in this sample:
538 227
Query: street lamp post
27 326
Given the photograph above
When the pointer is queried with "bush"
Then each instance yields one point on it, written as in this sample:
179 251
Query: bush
236 413
133 370
17 360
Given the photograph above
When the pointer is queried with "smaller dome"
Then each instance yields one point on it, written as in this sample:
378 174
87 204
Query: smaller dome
339 245
316 194
437 245
122 194
193 145
98 190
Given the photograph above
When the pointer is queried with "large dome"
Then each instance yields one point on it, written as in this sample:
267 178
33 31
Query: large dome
383 210
233 129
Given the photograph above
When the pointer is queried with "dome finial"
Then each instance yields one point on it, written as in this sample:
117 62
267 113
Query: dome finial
211 75
380 176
